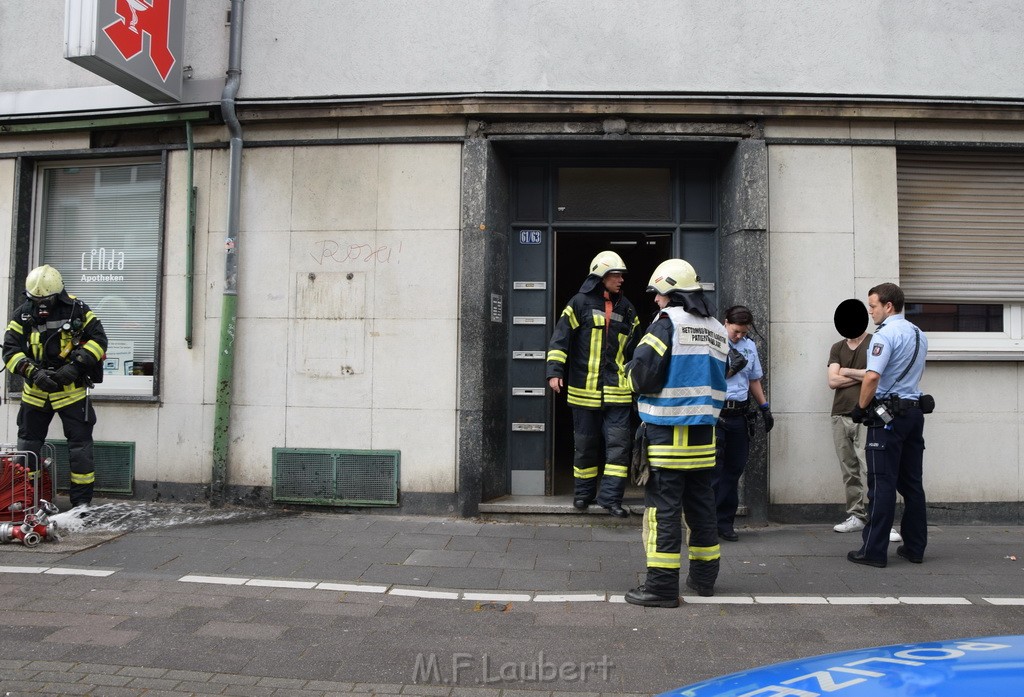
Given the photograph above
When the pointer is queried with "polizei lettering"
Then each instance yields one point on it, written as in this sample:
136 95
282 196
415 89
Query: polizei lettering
700 335
835 679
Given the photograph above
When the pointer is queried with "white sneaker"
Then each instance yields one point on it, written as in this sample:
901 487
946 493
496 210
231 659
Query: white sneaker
851 524
894 536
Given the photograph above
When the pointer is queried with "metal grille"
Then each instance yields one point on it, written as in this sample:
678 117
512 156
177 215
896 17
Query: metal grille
336 477
114 461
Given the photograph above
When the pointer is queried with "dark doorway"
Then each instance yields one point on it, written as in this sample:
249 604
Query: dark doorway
574 249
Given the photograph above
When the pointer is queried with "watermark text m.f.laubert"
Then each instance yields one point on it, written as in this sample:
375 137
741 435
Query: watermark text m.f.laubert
483 669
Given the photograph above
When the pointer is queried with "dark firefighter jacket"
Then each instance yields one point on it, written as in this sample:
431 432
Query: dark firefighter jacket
590 346
72 334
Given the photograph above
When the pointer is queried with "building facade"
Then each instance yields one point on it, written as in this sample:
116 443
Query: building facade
422 184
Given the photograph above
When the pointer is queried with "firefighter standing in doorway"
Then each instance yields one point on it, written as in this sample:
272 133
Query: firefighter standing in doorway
56 343
593 339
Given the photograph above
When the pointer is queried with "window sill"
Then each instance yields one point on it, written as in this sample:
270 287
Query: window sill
952 346
124 386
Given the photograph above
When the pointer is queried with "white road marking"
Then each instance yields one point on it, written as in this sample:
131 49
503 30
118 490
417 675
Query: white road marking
790 600
497 596
68 571
862 600
484 596
418 593
570 598
22 569
221 580
271 583
350 587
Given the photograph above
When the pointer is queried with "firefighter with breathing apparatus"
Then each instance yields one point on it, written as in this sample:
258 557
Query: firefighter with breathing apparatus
57 345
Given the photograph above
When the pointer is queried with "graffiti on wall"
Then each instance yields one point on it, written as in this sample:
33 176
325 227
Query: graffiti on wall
328 251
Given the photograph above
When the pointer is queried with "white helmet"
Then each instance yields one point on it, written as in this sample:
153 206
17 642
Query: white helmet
673 274
606 262
43 281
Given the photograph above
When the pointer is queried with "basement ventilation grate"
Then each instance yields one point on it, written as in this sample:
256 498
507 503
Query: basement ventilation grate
336 477
114 461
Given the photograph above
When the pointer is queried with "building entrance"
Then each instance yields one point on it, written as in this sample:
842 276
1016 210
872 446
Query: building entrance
563 213
574 249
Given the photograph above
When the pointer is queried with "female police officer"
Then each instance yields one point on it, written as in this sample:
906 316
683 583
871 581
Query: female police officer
744 382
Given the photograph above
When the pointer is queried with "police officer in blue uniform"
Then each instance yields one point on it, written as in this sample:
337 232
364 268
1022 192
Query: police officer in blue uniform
735 426
892 405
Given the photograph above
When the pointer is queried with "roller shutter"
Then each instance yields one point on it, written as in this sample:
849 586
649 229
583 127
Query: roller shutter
961 226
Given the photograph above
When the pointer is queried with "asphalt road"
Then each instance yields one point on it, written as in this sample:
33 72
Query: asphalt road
255 603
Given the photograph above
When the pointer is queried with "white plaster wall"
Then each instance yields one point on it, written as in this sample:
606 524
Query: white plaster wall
291 48
372 369
833 235
327 361
972 441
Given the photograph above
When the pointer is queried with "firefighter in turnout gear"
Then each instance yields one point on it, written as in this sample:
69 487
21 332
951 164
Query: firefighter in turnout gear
593 339
679 371
56 343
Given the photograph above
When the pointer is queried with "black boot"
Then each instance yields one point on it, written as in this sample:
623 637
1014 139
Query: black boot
703 591
641 596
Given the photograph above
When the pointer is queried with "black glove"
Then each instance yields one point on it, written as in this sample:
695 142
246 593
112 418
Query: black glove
769 420
66 374
734 362
859 414
43 379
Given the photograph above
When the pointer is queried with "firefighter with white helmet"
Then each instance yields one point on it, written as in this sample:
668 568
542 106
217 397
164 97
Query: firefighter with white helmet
56 344
592 340
678 370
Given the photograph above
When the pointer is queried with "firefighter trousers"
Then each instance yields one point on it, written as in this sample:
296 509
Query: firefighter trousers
671 496
78 420
601 437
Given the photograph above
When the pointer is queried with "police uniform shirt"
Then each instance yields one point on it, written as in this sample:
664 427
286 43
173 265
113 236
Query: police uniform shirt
738 386
892 349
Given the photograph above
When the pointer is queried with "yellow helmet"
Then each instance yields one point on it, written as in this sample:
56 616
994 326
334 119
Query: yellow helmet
43 281
606 262
673 274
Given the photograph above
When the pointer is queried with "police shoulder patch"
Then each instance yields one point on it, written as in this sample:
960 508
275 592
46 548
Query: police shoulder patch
876 349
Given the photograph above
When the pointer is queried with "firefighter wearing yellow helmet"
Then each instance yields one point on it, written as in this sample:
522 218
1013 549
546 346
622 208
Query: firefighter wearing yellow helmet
56 344
678 370
592 340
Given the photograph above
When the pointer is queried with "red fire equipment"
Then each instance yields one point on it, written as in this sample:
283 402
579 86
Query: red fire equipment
24 512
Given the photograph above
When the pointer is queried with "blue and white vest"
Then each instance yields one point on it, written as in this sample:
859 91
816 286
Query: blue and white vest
694 392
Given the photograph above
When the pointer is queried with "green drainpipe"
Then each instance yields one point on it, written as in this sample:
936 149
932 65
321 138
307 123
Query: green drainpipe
229 310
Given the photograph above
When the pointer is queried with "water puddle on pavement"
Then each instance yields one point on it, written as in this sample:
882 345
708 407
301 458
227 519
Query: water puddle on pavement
130 516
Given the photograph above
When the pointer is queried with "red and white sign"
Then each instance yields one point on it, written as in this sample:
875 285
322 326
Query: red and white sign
137 44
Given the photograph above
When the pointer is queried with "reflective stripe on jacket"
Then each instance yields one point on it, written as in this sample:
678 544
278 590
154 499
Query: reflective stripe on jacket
589 353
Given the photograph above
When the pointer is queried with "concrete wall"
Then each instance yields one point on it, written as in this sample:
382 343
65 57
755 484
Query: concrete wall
833 235
348 312
310 48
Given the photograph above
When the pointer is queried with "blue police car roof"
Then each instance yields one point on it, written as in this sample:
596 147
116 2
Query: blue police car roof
986 666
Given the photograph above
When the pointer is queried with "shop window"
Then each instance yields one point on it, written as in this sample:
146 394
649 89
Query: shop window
100 226
961 219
